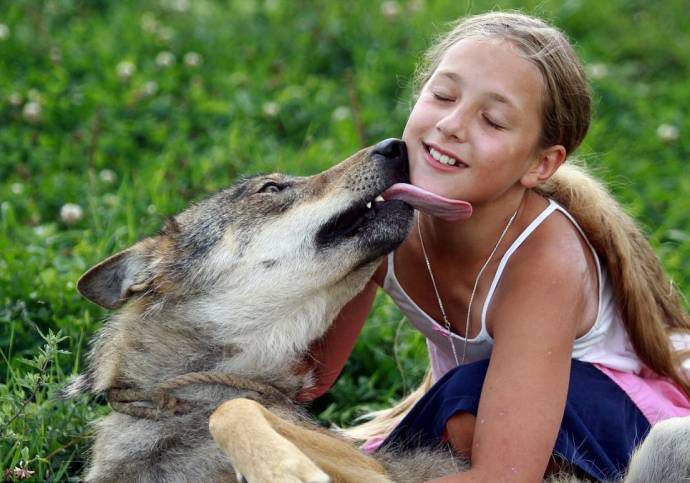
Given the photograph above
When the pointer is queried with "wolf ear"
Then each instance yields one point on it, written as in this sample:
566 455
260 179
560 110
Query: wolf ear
113 281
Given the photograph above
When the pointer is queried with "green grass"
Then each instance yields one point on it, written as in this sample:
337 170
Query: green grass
286 86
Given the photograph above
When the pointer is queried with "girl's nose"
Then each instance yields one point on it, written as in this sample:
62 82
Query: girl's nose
454 124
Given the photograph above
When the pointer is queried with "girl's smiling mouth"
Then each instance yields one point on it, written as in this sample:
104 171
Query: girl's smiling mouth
441 160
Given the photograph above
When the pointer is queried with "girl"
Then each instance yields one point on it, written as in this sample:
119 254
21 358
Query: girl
548 318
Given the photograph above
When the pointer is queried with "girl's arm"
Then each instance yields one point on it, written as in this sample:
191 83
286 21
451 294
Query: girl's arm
535 322
329 354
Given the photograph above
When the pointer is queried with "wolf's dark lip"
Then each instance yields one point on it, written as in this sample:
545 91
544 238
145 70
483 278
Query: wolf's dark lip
348 222
387 166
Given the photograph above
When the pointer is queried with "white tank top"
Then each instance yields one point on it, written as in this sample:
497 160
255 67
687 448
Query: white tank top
606 343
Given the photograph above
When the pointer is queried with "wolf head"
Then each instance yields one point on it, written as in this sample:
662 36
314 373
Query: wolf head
244 280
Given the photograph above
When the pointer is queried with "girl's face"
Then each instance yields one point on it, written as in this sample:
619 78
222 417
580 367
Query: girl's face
481 109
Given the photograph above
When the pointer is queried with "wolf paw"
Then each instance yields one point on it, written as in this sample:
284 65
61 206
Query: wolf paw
289 470
303 472
257 452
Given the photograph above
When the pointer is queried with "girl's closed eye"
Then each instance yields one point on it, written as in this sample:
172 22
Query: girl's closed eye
493 124
439 96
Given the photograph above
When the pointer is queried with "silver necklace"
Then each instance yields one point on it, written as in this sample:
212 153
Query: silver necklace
474 288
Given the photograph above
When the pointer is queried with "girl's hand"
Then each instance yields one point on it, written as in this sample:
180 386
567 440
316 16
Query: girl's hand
466 477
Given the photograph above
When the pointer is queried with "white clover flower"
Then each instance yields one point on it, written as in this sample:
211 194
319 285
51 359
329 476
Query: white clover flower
192 59
150 88
15 98
41 230
17 188
125 70
642 89
271 5
77 97
667 133
55 55
390 9
416 5
148 22
164 33
71 213
111 199
238 78
4 32
32 112
107 176
597 70
177 5
165 59
19 472
271 109
151 209
341 113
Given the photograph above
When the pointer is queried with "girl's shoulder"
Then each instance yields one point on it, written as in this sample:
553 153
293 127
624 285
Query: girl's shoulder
557 242
555 263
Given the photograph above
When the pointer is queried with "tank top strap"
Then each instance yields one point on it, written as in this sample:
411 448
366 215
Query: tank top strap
553 206
390 271
582 232
597 262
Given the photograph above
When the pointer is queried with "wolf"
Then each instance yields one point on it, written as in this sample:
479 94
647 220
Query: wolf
214 315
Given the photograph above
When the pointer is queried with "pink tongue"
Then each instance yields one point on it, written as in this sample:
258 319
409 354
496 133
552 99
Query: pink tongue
428 202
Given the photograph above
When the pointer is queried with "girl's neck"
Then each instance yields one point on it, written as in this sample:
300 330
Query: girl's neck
469 242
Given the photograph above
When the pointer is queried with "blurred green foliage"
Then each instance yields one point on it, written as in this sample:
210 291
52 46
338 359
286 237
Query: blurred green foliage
130 110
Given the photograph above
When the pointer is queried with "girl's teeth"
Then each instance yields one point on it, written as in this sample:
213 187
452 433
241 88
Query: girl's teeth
442 158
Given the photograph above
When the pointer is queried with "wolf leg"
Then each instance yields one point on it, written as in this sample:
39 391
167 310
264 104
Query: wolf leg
263 448
255 450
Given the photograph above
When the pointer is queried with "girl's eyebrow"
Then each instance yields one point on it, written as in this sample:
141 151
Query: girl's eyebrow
455 77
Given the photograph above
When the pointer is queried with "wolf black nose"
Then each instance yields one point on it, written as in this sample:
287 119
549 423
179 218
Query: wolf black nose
391 149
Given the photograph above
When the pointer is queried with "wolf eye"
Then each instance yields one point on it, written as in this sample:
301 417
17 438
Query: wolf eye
271 187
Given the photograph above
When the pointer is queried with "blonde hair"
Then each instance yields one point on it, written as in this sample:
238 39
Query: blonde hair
567 100
649 303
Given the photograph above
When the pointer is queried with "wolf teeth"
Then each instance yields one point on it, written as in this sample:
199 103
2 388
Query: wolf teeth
378 199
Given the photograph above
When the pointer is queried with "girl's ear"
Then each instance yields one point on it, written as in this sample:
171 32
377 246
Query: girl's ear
547 162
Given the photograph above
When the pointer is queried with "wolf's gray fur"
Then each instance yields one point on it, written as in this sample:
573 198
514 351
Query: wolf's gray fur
664 456
240 283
